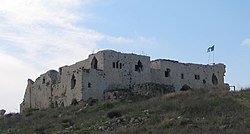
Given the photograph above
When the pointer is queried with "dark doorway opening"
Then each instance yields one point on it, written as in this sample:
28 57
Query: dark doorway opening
214 79
139 66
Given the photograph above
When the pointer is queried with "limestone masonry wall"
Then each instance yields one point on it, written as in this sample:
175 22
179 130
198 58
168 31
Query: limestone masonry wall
110 70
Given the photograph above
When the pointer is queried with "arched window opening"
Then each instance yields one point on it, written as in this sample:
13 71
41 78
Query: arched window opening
73 81
94 63
185 88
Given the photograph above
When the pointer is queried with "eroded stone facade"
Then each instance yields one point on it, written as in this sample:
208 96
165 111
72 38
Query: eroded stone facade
111 70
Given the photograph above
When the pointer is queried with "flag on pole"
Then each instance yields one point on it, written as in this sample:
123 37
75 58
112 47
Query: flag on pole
210 49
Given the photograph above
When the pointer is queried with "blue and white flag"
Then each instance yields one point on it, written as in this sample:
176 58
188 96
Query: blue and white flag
210 49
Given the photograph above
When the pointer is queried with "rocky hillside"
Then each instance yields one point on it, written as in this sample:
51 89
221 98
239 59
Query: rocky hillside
179 112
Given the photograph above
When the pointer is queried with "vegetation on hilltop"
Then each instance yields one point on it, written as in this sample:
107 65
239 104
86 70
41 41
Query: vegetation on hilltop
200 111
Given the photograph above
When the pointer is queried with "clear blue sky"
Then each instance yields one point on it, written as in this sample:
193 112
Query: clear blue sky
38 35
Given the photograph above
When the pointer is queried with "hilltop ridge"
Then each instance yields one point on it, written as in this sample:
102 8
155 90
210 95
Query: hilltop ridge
199 111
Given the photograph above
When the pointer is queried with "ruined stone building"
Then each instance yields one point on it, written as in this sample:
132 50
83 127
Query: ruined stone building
107 70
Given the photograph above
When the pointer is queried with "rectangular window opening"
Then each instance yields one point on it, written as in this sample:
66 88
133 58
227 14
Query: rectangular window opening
167 72
43 80
120 65
117 63
197 77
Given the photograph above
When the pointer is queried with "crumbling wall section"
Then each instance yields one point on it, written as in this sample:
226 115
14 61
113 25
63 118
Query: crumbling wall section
38 94
152 89
69 86
146 90
27 96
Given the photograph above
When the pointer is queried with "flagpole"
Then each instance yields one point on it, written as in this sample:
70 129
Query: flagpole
213 54
213 57
208 61
209 50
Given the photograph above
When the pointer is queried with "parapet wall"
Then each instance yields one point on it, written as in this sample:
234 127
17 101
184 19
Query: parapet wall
195 75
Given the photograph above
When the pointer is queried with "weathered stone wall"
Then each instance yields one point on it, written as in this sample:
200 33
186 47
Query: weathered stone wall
152 89
93 84
194 75
146 90
125 70
70 85
38 94
27 96
110 70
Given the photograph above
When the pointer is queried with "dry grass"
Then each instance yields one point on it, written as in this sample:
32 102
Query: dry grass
200 111
175 94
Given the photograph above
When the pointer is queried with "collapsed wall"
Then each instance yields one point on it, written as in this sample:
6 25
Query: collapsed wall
38 94
109 70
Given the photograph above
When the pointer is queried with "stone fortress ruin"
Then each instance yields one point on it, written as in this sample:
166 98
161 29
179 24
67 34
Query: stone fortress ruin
110 70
